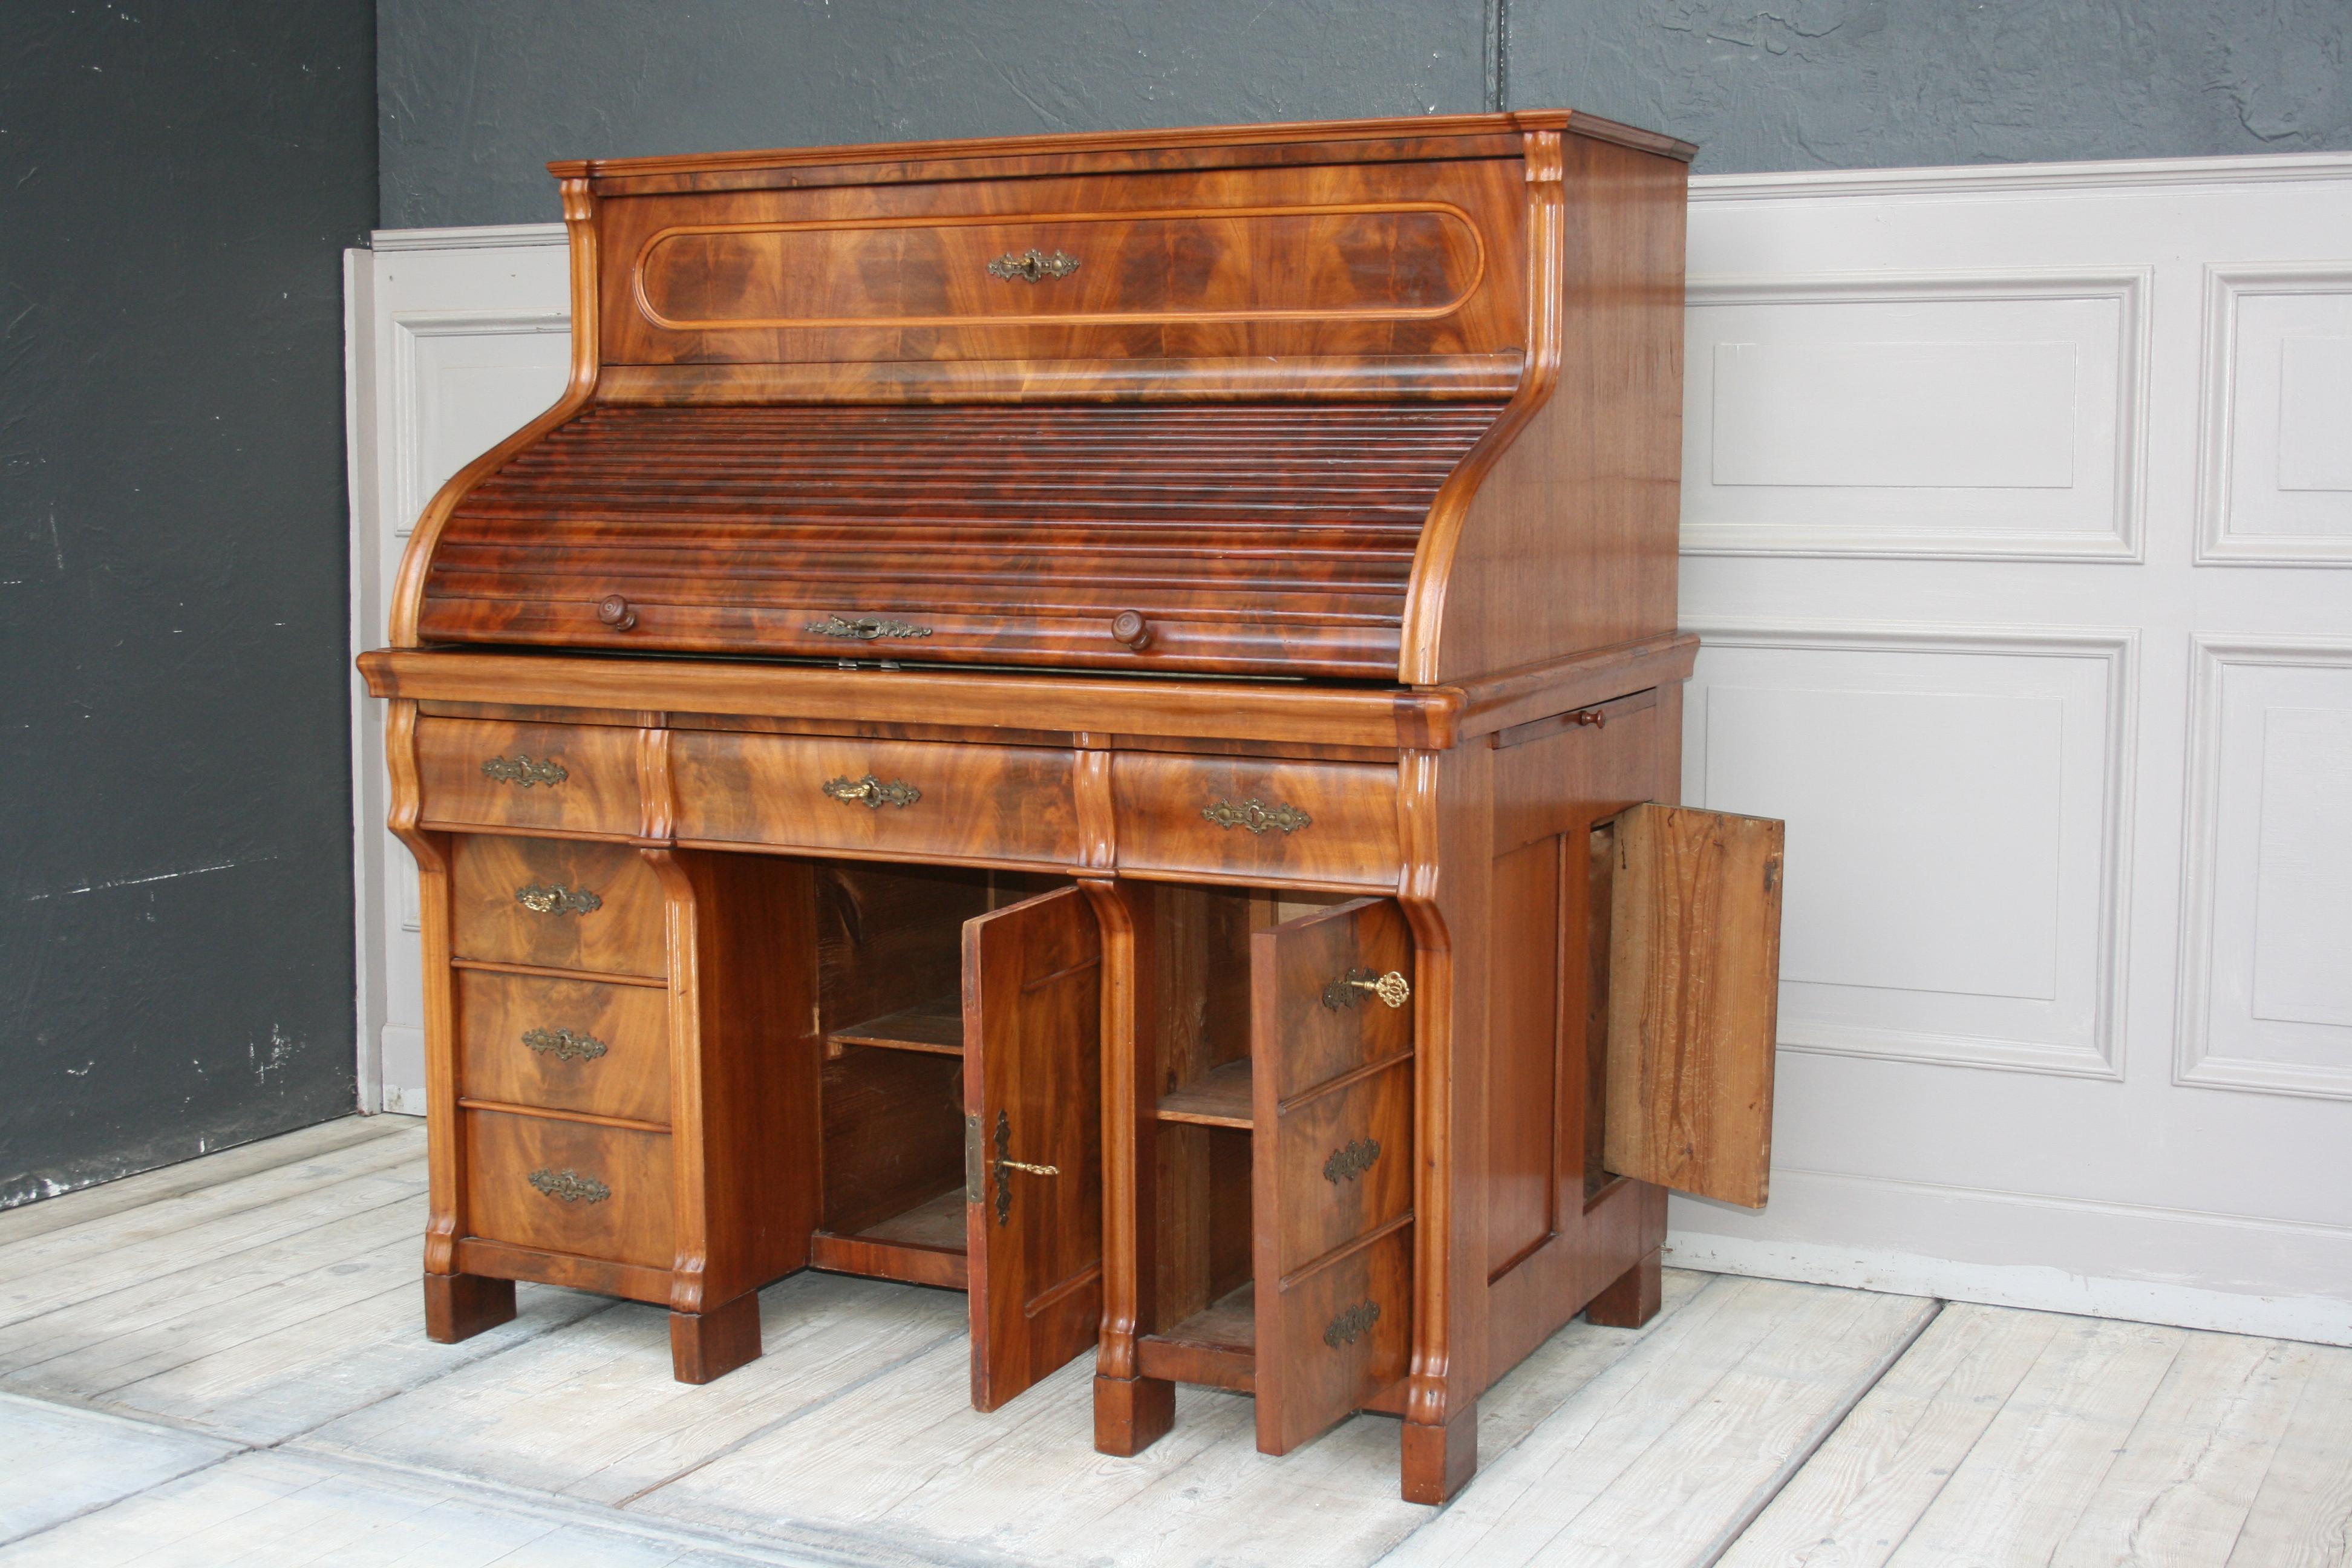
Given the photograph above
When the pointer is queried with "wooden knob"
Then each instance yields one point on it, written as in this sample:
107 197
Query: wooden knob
614 610
1132 629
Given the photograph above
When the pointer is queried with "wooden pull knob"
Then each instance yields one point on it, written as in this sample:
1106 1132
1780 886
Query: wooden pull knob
1132 629
615 612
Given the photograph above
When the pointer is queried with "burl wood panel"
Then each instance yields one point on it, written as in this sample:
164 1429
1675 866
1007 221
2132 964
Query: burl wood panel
601 1192
1694 982
578 778
1033 1095
1397 258
1268 537
1003 803
489 877
571 1045
1246 819
1333 1162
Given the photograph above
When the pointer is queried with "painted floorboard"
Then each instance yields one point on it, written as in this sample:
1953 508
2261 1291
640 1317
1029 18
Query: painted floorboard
62 1462
1663 1459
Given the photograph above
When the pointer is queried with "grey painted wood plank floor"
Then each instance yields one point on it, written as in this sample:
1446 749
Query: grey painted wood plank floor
223 1362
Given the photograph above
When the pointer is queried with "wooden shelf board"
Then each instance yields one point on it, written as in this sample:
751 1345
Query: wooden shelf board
936 1025
1220 1098
922 1246
1216 1346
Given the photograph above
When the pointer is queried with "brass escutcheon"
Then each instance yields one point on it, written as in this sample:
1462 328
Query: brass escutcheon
570 1187
522 770
1034 266
872 793
1256 815
1392 988
1352 1324
863 629
565 1044
1351 1161
558 899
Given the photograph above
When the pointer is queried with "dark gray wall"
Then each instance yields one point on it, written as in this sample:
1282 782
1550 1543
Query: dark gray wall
175 184
476 97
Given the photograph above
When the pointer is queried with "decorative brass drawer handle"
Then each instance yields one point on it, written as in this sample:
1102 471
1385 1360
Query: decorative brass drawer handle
558 899
570 1187
521 771
1348 1162
1352 1324
1033 267
565 1044
1256 815
863 629
872 793
1347 990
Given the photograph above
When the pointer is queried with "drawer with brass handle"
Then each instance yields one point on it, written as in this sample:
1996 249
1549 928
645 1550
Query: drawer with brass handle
555 903
1332 824
569 1186
575 778
893 799
565 1045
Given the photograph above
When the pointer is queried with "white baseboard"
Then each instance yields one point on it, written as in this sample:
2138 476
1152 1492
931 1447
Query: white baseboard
2051 1255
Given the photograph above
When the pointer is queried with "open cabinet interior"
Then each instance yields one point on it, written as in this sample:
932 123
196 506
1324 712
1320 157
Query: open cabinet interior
890 1011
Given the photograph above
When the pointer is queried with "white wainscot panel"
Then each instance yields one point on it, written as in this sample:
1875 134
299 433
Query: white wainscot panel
463 381
2266 959
1916 414
1955 804
2278 452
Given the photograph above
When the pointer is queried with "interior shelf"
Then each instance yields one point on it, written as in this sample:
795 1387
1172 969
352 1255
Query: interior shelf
936 1025
1216 1346
1219 1098
923 1246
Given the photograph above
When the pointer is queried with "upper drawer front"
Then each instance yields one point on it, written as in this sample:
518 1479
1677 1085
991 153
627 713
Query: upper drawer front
1413 257
566 1045
583 778
563 1186
1394 262
893 798
557 903
1326 823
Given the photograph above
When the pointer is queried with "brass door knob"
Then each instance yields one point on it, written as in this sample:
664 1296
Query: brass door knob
1132 629
615 611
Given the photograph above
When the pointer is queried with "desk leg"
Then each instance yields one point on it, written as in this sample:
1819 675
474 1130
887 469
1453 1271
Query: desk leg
459 1306
708 1345
1632 1298
1132 1413
1439 1461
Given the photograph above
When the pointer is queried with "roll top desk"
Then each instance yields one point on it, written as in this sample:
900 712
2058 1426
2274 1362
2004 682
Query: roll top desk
1091 719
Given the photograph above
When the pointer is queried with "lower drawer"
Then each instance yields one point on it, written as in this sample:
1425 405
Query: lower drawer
572 1045
567 1186
557 903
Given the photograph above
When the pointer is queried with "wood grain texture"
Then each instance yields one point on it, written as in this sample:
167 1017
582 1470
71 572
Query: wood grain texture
577 778
1693 987
571 1045
623 934
1009 803
1342 831
630 1223
1032 1094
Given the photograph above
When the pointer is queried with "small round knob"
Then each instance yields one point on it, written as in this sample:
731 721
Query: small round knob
1132 629
614 610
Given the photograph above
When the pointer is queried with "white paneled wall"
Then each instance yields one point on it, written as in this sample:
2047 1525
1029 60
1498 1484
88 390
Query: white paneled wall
2017 515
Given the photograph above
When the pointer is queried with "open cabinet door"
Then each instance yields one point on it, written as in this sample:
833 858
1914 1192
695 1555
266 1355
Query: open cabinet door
1033 1138
1331 1052
1693 906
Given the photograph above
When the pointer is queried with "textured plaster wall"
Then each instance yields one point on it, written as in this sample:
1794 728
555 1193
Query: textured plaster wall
474 97
176 183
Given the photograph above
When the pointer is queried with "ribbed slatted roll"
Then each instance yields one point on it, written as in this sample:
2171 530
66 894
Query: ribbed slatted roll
1269 538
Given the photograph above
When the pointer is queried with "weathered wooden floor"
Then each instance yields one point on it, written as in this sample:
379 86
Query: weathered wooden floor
222 1363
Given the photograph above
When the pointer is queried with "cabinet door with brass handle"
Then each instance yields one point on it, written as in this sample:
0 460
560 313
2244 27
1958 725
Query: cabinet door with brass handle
1331 1163
1033 1107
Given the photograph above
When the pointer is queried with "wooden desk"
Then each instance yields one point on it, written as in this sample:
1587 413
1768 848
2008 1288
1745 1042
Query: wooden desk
1241 946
